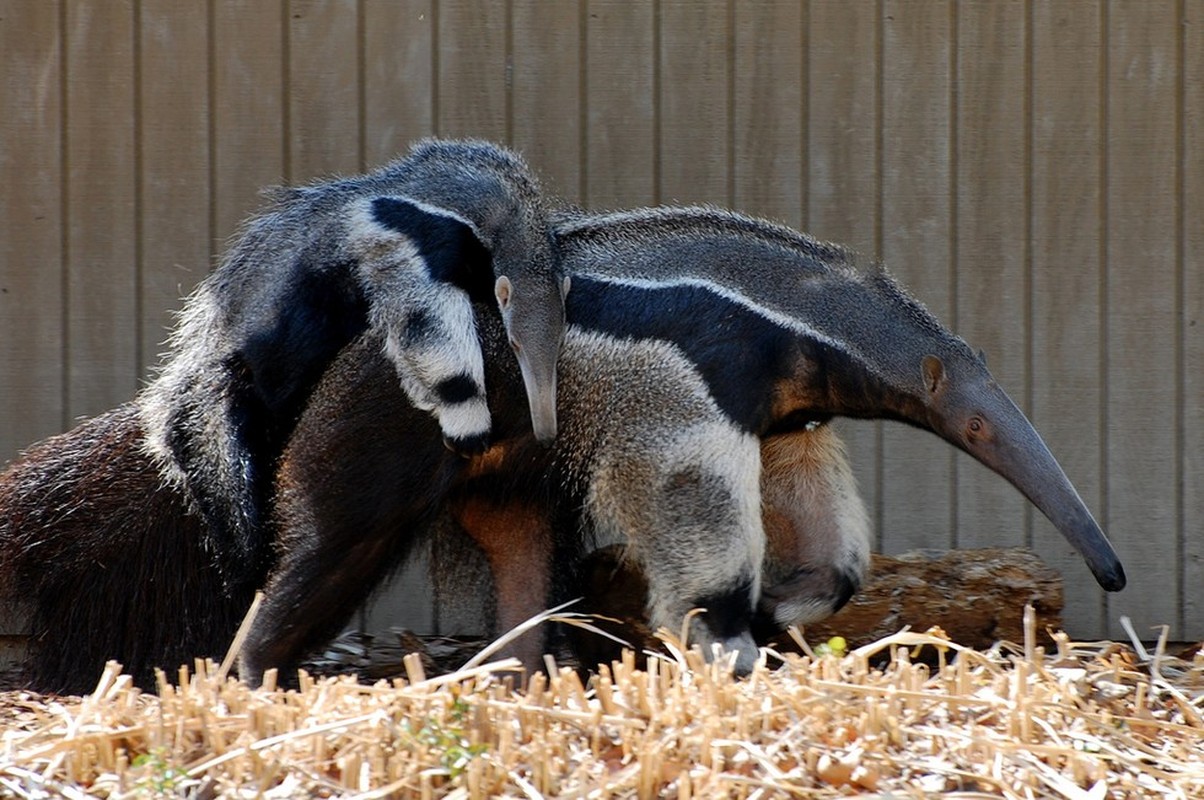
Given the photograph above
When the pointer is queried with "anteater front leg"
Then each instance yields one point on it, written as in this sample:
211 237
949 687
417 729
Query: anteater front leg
434 346
349 509
319 584
689 511
413 263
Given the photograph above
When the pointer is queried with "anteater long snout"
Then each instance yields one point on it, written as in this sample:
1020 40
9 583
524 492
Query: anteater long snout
1016 451
539 379
1031 467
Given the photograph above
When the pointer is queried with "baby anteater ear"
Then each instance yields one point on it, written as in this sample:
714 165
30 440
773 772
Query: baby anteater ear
502 289
933 370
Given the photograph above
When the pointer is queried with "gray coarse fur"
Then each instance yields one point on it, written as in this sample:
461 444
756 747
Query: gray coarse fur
816 556
678 488
867 348
650 456
301 281
817 530
654 463
823 290
647 456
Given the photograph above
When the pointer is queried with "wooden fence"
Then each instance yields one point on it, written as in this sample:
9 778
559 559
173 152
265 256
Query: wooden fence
1032 170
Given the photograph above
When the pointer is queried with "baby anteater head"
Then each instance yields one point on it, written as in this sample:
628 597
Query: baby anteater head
495 190
533 314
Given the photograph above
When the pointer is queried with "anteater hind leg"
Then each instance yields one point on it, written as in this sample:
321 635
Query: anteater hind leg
516 538
816 550
816 527
355 488
111 562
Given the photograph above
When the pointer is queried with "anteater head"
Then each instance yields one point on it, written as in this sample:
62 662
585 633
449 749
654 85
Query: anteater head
496 190
963 404
533 314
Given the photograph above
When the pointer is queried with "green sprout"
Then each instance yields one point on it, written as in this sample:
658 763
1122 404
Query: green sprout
162 778
451 741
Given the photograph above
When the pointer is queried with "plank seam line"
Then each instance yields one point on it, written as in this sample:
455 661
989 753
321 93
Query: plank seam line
1103 80
953 268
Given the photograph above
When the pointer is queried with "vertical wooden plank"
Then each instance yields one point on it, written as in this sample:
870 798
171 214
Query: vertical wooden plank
1191 170
992 296
324 89
31 226
473 91
248 108
620 133
1067 385
842 169
1142 310
102 309
917 127
547 92
842 130
694 149
398 76
769 110
174 176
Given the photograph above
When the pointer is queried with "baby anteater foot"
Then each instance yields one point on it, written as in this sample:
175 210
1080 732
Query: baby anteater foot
465 422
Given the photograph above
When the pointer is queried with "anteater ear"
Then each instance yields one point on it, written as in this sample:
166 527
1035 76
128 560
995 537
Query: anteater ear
933 370
501 290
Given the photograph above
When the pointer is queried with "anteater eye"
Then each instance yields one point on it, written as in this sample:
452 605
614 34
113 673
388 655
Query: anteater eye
514 345
975 425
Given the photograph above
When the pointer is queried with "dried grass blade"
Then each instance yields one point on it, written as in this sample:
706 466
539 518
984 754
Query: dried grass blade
240 636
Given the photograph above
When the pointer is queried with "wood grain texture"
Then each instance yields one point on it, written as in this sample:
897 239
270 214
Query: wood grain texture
1191 170
917 126
991 240
1029 169
399 91
769 109
31 227
248 79
1067 209
547 92
1142 309
324 103
695 96
174 170
473 82
620 100
102 279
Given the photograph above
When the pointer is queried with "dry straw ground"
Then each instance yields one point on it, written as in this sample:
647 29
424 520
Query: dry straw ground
1097 720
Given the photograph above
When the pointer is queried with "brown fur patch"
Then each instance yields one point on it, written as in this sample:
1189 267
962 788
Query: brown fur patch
516 538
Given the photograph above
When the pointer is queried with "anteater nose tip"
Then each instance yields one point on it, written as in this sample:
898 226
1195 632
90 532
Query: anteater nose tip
545 434
1114 579
544 428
